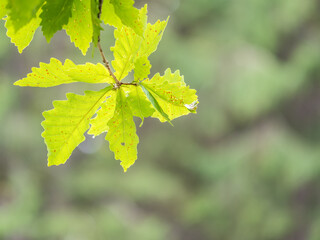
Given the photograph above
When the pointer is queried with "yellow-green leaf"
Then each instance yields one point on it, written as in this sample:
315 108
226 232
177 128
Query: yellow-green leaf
99 124
56 73
65 125
139 104
155 103
47 75
90 73
118 13
122 136
3 8
126 48
79 27
142 68
172 94
124 51
128 14
21 11
169 77
24 35
109 16
152 37
131 50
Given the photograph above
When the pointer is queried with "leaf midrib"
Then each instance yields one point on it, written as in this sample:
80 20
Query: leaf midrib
77 125
160 96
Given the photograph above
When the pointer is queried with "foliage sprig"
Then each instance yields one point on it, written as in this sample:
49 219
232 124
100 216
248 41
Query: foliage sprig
165 97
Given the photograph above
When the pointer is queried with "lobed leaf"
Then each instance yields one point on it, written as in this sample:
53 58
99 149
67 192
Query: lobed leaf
21 11
138 102
89 73
172 95
171 77
3 8
142 68
80 26
152 37
55 73
24 35
122 136
126 48
129 15
155 103
56 13
47 75
109 16
124 51
118 13
99 124
132 51
65 125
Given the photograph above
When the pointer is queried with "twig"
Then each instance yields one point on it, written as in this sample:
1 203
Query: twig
123 83
100 7
105 61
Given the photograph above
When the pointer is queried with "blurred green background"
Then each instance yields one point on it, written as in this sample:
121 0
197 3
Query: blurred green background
246 167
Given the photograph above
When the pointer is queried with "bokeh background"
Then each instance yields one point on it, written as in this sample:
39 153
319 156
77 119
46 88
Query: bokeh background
246 167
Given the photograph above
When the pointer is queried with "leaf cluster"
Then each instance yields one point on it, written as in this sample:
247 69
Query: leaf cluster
113 108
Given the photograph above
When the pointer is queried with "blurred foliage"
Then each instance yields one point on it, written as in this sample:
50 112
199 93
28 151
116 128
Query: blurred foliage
246 167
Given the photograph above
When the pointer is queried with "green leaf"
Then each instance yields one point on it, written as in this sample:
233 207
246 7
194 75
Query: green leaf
124 51
79 27
56 13
22 37
54 73
152 37
118 13
126 48
90 73
84 25
22 11
142 68
109 16
130 47
3 8
139 104
65 125
129 15
47 75
99 124
172 94
155 103
122 136
169 76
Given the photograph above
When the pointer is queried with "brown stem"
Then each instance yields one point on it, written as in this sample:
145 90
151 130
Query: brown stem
106 63
100 7
122 83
